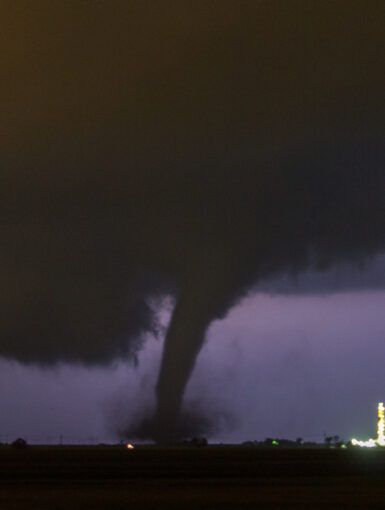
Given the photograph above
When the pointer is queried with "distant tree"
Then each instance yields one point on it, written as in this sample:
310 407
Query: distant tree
19 444
333 441
198 441
299 441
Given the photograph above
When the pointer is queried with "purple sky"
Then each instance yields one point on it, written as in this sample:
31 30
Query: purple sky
282 366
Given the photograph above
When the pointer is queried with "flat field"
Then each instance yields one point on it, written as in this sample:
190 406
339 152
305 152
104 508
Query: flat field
211 477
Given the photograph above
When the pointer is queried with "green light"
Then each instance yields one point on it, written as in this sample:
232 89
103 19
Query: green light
274 442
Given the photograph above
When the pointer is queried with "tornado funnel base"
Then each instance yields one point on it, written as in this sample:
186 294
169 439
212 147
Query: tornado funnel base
168 430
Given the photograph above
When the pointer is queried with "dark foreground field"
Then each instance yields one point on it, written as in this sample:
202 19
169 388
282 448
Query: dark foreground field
182 478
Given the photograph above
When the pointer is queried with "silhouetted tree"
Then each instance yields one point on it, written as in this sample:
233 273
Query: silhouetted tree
19 443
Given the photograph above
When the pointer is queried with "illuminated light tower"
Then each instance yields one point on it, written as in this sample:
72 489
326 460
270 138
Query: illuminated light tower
381 425
380 441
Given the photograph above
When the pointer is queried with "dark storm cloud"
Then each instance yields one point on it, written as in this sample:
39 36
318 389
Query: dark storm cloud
189 148
356 276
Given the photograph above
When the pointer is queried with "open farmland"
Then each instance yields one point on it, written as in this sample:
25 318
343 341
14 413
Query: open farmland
182 477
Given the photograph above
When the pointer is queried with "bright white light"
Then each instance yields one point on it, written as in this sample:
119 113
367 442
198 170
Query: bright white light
370 443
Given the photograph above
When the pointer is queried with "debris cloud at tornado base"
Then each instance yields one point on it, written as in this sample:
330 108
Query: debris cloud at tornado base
201 149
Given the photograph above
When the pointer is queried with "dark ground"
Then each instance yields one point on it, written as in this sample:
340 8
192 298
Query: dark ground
182 477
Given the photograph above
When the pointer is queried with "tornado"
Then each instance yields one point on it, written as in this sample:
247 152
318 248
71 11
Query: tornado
184 340
191 149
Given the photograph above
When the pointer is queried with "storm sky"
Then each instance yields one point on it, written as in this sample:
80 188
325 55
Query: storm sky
277 366
197 152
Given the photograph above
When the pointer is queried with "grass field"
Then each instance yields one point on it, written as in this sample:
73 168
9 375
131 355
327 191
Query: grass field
222 477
